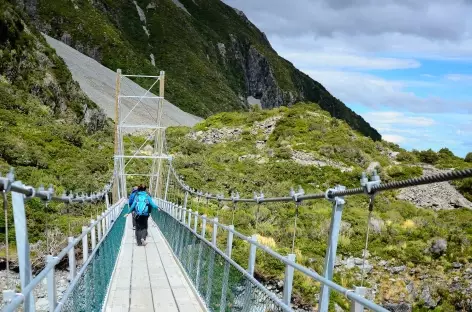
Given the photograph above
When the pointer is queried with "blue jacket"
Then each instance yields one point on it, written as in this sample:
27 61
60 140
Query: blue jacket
149 198
131 197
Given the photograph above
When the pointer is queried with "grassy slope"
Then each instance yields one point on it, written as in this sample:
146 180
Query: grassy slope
199 80
407 230
45 136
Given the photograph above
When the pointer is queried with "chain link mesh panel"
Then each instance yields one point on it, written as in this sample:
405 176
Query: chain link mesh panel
90 290
221 285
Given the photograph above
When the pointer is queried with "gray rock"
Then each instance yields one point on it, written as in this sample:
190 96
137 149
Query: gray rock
42 304
427 298
438 246
376 225
456 265
397 307
398 269
337 308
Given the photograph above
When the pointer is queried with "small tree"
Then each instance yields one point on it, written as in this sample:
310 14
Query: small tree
468 157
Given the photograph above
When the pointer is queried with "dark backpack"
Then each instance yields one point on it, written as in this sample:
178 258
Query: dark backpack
142 204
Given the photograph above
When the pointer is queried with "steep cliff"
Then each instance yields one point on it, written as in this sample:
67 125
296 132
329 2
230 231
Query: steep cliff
215 58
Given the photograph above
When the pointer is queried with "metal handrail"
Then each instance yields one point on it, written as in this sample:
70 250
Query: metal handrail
236 265
20 297
346 292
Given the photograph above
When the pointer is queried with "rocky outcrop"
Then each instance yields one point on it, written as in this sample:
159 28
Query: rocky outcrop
215 136
307 159
437 195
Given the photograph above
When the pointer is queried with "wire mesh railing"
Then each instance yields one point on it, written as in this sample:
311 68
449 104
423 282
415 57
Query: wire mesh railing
88 291
233 288
88 287
221 283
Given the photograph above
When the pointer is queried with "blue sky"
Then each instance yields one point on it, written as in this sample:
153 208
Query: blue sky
404 65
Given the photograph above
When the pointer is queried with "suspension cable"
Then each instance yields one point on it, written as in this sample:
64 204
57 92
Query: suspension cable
7 254
371 208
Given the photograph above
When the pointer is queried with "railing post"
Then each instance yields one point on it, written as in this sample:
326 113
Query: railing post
189 221
357 307
215 232
72 265
107 200
229 248
85 248
167 182
184 218
92 234
252 254
104 225
288 280
338 206
51 284
212 261
22 245
197 279
229 245
185 199
99 229
195 222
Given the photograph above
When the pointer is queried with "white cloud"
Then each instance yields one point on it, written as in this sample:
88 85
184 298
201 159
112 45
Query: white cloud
397 118
459 77
308 59
375 92
394 138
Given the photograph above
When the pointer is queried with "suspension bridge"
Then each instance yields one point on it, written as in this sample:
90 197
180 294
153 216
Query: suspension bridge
188 263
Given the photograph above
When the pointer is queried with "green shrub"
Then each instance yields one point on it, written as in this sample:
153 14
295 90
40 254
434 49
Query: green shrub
468 157
404 172
428 156
407 157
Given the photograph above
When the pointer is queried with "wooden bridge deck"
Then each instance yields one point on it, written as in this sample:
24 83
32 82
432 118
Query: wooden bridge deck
148 279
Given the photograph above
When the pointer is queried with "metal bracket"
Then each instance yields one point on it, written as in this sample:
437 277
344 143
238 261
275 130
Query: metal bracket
8 180
295 195
235 197
374 181
258 198
339 200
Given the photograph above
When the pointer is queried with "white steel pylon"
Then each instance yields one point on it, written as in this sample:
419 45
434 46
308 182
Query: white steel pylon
138 111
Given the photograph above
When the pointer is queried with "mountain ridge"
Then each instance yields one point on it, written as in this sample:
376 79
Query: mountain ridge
214 57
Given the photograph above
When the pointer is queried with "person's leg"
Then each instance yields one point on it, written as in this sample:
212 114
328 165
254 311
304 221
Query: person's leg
138 230
133 214
145 225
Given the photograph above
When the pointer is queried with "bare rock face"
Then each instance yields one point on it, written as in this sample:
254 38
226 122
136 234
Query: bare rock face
261 82
437 195
258 75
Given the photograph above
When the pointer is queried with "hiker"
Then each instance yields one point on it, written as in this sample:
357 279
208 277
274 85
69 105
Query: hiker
130 202
141 206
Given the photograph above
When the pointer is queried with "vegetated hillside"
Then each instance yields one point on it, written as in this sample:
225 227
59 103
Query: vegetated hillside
214 57
418 258
51 132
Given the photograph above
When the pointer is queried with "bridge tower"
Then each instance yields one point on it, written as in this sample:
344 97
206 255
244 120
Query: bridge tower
139 133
